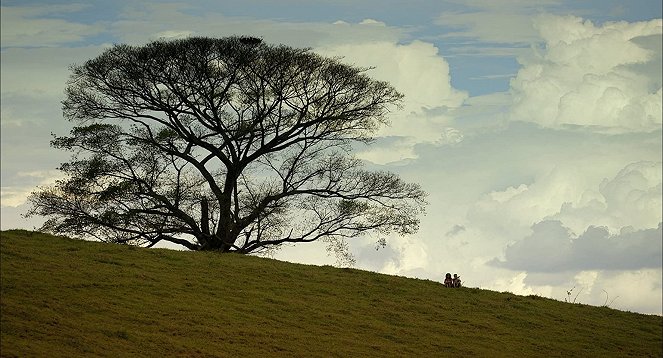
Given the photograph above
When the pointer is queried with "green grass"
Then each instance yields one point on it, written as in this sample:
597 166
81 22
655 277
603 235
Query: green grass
70 298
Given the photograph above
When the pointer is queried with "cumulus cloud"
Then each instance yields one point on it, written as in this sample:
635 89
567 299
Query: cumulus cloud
522 205
415 68
418 71
586 76
631 198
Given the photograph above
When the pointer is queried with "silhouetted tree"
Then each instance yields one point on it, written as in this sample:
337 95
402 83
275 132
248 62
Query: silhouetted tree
224 144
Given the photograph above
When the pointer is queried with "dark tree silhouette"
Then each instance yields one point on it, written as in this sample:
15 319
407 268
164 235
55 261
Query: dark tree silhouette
224 144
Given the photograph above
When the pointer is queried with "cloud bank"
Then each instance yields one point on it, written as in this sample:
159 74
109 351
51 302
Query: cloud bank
552 248
591 77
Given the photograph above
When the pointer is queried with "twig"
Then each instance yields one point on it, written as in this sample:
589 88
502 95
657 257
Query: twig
606 304
578 294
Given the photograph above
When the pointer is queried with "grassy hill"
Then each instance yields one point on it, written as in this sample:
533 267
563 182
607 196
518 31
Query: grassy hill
63 297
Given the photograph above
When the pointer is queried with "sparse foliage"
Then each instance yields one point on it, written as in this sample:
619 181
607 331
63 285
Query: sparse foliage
568 295
380 244
606 304
225 144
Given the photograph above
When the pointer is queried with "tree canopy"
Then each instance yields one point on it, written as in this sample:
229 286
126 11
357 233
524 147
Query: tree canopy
226 144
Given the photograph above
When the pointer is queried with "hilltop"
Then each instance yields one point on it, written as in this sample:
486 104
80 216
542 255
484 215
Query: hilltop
64 297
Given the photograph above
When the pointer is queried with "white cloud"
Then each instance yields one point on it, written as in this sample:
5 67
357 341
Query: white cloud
628 290
638 290
404 256
631 199
419 72
172 34
568 194
14 196
416 69
514 284
522 205
372 22
600 233
585 77
388 149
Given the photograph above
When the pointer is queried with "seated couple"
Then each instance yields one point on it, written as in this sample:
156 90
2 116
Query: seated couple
451 282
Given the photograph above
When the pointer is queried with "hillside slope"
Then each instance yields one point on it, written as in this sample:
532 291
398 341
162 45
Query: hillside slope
63 297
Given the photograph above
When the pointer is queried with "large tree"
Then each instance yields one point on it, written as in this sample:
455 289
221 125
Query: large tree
224 144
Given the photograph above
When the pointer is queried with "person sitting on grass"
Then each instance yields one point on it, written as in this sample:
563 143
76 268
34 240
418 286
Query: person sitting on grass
456 281
448 282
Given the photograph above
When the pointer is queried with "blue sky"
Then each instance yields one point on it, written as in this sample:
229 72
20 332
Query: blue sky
535 126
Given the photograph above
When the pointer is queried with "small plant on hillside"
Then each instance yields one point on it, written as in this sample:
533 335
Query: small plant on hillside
568 295
606 304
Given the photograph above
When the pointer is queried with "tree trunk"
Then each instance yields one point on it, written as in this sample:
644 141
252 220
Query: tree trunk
223 239
204 216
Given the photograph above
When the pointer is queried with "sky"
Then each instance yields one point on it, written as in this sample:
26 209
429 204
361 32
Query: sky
535 126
